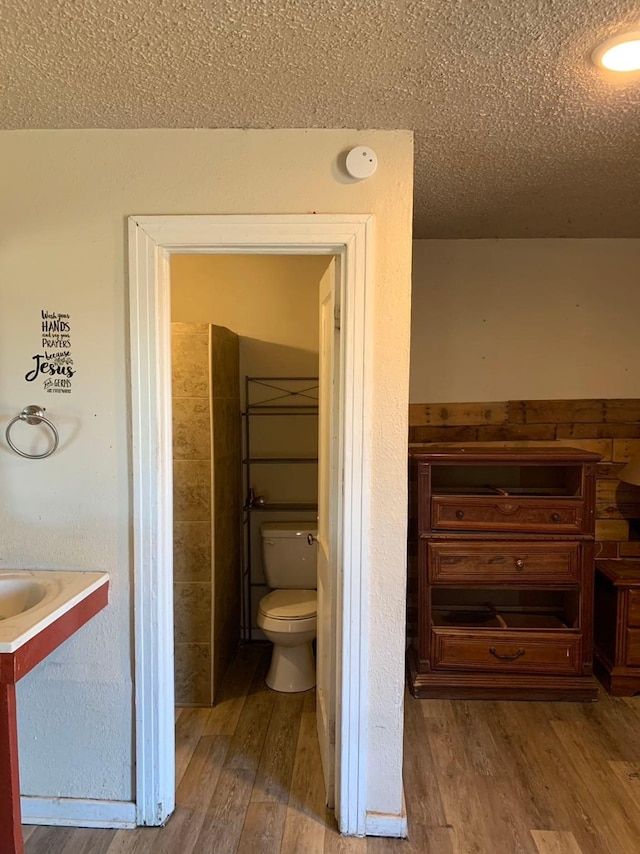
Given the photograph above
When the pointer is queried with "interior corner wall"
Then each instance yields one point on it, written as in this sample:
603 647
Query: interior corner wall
525 319
270 301
272 298
66 199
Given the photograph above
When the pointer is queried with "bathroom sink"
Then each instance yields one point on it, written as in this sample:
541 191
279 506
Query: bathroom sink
19 594
39 610
31 600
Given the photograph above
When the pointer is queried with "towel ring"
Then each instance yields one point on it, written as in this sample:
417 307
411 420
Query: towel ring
32 415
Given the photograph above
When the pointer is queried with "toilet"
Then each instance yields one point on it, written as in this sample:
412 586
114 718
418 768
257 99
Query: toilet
288 615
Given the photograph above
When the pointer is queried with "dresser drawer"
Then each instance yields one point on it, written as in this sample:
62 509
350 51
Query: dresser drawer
480 513
634 608
515 652
518 563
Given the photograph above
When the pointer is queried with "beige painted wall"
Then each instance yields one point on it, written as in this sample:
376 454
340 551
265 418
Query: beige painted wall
66 197
270 301
525 319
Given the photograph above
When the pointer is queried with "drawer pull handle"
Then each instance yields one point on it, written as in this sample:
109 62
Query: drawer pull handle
459 514
555 517
519 564
492 650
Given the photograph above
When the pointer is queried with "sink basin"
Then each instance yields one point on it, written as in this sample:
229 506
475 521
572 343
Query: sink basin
19 594
31 600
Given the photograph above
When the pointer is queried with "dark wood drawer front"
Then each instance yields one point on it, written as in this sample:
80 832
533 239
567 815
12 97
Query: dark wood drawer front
506 651
634 608
506 514
633 648
519 563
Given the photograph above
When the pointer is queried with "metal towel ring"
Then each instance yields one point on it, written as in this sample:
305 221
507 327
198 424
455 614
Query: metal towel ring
32 415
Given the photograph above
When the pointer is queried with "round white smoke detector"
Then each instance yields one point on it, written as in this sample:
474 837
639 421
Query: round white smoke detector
361 162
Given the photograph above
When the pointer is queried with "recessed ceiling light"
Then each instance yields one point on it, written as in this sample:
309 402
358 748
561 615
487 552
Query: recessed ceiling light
621 53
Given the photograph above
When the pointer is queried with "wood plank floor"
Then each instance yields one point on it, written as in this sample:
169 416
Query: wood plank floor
480 778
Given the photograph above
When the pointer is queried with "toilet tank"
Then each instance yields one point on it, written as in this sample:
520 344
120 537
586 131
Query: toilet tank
288 560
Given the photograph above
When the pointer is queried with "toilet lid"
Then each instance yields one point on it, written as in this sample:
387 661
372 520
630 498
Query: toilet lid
290 604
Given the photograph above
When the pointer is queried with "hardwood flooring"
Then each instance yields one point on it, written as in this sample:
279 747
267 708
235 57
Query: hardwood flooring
480 778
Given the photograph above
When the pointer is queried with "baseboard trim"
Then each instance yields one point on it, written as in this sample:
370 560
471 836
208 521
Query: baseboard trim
78 812
383 824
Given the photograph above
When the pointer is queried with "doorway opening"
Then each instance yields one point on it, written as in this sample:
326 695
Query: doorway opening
244 353
152 241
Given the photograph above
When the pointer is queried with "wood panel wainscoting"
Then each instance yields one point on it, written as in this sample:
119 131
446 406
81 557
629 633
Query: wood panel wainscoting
608 427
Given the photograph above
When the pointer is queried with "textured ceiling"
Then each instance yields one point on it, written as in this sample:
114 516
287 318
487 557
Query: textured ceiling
517 134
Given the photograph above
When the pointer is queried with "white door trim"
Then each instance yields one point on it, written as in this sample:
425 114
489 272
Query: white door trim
151 241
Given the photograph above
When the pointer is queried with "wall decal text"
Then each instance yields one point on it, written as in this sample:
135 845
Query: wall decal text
54 363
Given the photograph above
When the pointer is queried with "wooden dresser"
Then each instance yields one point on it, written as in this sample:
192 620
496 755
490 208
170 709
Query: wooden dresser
617 625
503 546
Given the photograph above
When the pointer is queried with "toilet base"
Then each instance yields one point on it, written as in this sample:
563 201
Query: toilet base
293 668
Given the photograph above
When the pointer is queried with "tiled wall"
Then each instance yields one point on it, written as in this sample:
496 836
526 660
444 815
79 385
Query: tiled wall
227 498
192 554
206 520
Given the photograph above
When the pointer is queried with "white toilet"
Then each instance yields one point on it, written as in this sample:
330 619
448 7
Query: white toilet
288 615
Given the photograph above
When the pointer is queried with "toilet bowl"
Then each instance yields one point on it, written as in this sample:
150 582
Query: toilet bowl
288 619
288 615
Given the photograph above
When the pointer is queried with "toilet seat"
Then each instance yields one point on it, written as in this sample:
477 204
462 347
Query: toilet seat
289 612
289 605
280 627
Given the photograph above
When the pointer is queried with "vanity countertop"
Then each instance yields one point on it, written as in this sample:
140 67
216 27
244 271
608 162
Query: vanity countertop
59 592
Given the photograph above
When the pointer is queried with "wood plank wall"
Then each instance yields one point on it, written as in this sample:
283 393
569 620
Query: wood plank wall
609 427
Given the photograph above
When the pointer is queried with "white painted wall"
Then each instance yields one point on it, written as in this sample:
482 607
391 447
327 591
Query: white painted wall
525 319
66 197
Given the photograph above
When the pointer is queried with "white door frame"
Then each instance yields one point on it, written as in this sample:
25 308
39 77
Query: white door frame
152 239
